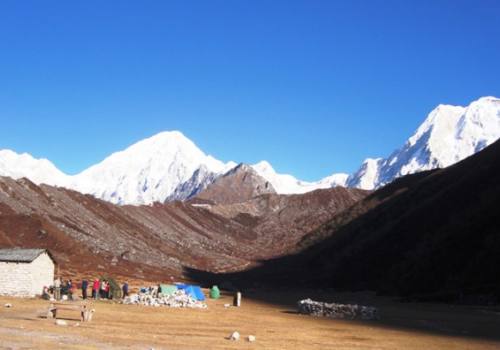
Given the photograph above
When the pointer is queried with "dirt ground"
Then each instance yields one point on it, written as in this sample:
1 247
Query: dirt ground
270 316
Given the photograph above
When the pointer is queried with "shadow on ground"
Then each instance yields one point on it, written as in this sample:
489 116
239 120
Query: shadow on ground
481 322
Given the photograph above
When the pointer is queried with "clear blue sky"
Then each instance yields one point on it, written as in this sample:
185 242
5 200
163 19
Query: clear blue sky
314 87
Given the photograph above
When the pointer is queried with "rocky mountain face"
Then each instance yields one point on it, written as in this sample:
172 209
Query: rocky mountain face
169 166
237 185
198 182
88 235
429 236
448 135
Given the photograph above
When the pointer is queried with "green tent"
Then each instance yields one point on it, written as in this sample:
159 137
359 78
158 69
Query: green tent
167 289
214 293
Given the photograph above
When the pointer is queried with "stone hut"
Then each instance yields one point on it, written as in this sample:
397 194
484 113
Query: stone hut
24 272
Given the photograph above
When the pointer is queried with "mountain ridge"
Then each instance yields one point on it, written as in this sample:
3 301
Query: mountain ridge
168 166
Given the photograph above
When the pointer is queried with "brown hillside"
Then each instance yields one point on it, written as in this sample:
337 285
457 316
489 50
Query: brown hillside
238 185
87 235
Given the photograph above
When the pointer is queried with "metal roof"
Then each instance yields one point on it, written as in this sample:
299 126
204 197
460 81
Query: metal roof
21 255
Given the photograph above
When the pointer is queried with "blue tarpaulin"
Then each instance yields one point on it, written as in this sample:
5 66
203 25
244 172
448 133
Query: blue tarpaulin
194 291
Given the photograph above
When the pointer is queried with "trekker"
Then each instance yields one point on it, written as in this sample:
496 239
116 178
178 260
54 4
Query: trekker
57 288
64 287
45 293
102 287
71 290
106 290
125 289
95 289
85 285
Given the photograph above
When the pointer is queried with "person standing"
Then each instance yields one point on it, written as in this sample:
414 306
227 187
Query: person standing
71 290
125 289
57 288
102 290
95 289
107 290
85 285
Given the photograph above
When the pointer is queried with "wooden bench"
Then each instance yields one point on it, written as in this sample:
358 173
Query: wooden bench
83 308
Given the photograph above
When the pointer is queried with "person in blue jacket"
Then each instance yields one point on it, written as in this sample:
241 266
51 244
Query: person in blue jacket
125 289
85 285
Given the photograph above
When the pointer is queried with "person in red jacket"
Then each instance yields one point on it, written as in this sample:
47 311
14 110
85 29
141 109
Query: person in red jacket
95 289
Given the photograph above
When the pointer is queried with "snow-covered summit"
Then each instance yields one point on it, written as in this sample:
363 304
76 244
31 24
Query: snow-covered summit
287 184
149 170
448 135
39 171
169 166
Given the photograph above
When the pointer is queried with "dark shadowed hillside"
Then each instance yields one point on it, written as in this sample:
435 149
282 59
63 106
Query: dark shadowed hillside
434 234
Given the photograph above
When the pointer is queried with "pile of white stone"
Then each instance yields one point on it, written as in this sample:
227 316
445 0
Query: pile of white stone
338 311
177 299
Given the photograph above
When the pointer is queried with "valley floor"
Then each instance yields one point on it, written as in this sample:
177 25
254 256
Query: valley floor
270 316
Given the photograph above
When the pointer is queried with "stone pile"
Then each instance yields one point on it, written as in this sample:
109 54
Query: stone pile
177 299
338 311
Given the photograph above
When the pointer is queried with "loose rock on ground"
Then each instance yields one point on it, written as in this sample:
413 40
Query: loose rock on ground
338 311
177 299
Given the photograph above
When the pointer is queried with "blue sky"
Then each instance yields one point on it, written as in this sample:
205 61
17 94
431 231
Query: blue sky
314 87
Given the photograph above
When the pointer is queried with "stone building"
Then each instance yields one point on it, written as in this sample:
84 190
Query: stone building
24 272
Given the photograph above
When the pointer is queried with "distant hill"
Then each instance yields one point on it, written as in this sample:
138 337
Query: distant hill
238 185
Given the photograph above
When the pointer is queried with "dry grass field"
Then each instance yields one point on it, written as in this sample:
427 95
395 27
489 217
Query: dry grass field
270 316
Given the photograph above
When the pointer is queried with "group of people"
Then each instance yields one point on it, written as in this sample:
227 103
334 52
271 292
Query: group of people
60 288
101 289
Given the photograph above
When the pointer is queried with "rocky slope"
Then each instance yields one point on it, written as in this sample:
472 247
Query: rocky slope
282 221
90 235
237 185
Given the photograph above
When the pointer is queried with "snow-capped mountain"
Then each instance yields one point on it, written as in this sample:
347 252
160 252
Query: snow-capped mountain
148 171
287 184
199 181
16 166
448 135
169 166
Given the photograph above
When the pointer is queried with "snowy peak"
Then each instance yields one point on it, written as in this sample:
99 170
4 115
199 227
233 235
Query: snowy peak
264 167
367 175
448 135
39 171
169 166
147 171
287 184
